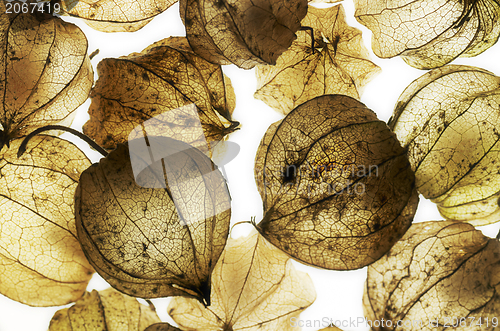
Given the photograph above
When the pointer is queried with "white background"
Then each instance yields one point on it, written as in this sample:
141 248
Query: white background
338 293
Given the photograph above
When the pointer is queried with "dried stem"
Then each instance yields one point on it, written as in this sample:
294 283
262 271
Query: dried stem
80 135
308 28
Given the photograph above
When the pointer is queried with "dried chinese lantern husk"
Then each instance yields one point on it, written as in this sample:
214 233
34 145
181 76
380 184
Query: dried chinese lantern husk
447 120
243 33
143 242
440 271
317 217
